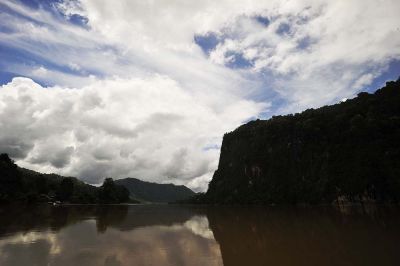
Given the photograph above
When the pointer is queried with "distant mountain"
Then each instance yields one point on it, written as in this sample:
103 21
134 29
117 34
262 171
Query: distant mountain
347 152
153 192
24 185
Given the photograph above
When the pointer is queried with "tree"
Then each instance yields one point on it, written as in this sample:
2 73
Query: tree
10 179
65 189
111 193
41 184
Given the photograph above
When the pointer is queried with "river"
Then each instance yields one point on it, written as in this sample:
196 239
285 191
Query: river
198 235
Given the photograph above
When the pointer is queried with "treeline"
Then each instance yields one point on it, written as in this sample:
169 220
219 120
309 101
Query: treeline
23 185
348 152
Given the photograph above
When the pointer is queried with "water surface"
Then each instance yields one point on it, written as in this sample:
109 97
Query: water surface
196 235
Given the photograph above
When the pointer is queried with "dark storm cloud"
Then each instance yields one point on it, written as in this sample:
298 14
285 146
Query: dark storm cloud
16 148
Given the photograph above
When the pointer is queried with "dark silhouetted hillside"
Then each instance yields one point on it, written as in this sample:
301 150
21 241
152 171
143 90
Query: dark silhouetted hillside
345 152
153 192
23 185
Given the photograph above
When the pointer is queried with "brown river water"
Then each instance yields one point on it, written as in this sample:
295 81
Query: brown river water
198 235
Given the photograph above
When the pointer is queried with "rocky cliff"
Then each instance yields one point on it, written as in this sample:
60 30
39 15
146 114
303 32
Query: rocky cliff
345 152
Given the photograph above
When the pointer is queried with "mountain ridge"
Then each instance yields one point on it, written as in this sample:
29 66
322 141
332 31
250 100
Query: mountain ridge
155 192
26 185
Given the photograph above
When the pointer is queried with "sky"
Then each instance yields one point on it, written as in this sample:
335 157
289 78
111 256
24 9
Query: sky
147 89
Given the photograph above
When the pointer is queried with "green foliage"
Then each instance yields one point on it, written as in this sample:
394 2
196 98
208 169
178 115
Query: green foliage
349 150
65 190
23 185
10 180
109 192
42 185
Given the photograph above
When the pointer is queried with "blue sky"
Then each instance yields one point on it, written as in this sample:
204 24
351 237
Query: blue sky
206 41
115 89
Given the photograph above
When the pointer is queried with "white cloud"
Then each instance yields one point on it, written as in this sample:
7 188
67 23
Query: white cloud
40 72
328 50
148 128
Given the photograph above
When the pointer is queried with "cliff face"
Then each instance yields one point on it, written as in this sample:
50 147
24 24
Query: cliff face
349 151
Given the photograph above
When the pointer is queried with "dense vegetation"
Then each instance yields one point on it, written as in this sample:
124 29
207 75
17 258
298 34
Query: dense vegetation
153 192
345 152
23 185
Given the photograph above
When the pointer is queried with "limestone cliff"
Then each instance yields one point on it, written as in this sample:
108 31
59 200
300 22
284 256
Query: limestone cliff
348 151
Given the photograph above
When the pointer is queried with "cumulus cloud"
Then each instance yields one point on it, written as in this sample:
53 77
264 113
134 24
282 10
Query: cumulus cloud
148 128
129 92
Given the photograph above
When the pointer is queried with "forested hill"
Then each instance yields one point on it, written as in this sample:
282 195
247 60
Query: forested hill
153 192
347 152
23 185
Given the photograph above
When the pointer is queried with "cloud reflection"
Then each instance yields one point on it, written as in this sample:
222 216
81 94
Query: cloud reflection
82 243
121 235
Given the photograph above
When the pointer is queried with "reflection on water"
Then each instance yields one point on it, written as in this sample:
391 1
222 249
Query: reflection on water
106 235
184 235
